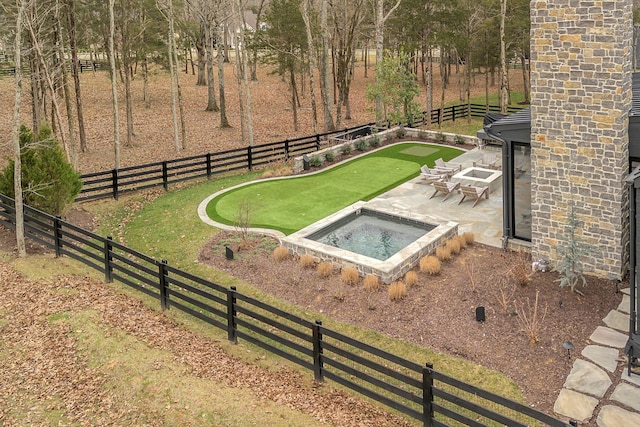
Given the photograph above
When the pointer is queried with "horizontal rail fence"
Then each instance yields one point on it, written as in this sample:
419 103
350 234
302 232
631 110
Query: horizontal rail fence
115 182
416 391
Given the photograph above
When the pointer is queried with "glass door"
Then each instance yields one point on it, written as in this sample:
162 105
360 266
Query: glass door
521 172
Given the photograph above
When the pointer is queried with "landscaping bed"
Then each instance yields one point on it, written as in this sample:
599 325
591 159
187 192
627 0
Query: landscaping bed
439 311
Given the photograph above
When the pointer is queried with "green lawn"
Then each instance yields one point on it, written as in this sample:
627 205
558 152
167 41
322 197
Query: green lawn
288 205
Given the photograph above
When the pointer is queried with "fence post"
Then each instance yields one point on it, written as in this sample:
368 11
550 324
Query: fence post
317 351
453 113
286 148
574 423
165 176
427 395
231 315
439 116
108 268
317 142
249 158
114 182
164 284
208 160
57 235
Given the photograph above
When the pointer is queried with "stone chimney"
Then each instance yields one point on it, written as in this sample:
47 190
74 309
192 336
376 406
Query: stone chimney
581 66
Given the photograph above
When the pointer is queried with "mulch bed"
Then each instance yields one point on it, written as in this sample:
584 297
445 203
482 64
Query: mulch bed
439 312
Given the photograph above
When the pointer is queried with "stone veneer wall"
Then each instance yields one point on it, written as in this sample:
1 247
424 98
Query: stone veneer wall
581 97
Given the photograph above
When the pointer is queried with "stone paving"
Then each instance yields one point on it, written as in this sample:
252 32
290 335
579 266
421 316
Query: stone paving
598 390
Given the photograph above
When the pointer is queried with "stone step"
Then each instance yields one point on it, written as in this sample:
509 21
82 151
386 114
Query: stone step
613 416
575 405
606 357
627 395
587 378
617 320
609 337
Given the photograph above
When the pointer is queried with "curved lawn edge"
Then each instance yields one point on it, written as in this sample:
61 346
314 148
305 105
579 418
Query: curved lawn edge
279 233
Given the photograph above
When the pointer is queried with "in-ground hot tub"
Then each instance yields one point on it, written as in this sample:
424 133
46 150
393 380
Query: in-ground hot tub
386 244
479 177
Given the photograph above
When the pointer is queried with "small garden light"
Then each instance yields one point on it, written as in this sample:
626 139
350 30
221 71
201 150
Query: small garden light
568 345
228 252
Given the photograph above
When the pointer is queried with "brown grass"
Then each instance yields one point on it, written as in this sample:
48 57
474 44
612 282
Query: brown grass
371 283
462 241
306 261
411 278
325 269
349 276
469 237
430 265
454 246
443 253
521 271
281 253
397 291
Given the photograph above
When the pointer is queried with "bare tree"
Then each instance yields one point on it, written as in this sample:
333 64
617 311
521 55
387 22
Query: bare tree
323 62
62 57
73 47
381 18
243 81
224 121
304 8
114 84
15 137
504 78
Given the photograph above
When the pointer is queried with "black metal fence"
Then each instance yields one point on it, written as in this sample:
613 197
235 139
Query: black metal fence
115 182
418 391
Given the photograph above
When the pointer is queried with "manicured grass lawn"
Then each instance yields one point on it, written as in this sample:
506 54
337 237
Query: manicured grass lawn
288 205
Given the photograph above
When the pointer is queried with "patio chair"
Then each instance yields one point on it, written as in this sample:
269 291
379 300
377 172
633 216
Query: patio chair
445 187
432 175
453 167
476 193
488 161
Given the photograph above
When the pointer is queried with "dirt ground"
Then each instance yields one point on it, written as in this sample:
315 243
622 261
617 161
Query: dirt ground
153 140
439 311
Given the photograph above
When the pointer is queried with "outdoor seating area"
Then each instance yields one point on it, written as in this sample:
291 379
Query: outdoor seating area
446 188
476 193
489 161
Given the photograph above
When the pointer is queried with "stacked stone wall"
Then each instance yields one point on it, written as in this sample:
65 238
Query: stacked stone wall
581 97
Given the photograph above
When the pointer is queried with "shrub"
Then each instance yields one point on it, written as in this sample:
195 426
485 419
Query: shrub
330 156
454 246
325 269
430 265
411 278
374 141
53 184
349 276
521 270
306 261
423 135
401 133
371 283
315 161
280 253
461 241
346 149
443 253
458 139
440 137
361 145
531 318
469 237
397 291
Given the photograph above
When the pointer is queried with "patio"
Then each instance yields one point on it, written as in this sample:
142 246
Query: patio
484 220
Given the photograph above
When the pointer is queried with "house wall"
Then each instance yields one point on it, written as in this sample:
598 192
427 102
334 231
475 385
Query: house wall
581 58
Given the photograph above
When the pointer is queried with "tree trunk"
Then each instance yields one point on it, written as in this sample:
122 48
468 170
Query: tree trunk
126 65
73 46
294 100
203 52
504 78
37 110
325 91
224 121
525 80
380 19
145 83
114 86
212 104
242 51
304 7
15 136
66 88
172 73
254 52
429 83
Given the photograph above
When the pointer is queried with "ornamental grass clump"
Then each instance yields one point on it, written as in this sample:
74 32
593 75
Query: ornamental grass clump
281 253
430 265
325 269
443 253
411 278
349 276
469 237
371 283
454 246
397 291
306 261
462 241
